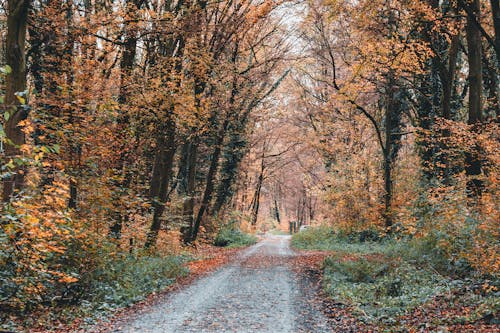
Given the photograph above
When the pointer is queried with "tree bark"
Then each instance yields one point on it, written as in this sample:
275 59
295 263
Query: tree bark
448 76
495 12
17 20
387 152
210 182
188 201
162 172
256 198
472 161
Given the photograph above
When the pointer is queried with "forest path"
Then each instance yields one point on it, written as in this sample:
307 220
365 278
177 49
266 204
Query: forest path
257 292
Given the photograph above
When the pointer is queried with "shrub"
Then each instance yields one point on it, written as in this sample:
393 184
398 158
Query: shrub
380 288
314 238
325 238
233 237
124 280
390 277
357 271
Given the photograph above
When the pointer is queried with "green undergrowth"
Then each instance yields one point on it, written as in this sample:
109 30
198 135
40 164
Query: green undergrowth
115 282
278 232
383 278
123 282
233 237
324 238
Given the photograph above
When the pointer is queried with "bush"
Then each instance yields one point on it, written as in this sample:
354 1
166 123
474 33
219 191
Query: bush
127 279
425 252
380 288
106 281
325 238
314 238
357 271
388 278
233 237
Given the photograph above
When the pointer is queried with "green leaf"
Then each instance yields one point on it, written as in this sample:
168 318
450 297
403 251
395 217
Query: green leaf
6 115
1 99
19 161
6 69
56 148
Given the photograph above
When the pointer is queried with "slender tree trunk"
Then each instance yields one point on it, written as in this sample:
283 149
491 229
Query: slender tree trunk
17 19
492 85
258 188
495 12
234 153
210 182
475 67
448 77
474 48
74 148
182 173
162 172
389 127
277 211
188 203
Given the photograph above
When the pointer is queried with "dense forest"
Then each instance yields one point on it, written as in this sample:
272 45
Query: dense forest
135 129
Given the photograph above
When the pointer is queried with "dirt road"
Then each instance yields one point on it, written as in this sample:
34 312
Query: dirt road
257 292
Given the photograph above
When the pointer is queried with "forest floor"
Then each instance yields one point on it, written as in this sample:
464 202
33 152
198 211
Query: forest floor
265 288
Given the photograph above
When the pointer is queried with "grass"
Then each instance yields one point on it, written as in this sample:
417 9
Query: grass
126 281
116 282
384 279
324 238
278 232
380 290
232 237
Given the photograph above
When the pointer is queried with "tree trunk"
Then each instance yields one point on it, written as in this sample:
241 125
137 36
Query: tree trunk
277 211
188 203
15 82
210 183
389 126
162 171
474 48
234 153
258 188
448 76
495 12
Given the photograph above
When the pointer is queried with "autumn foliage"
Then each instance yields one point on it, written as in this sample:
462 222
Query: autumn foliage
132 129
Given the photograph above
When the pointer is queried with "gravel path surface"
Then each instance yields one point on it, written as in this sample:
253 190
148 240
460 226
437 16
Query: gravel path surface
257 292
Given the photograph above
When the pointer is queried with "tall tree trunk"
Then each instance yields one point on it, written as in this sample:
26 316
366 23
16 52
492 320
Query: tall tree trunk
17 19
389 127
277 211
188 201
210 182
162 172
74 148
182 173
233 154
474 49
495 12
256 197
448 76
